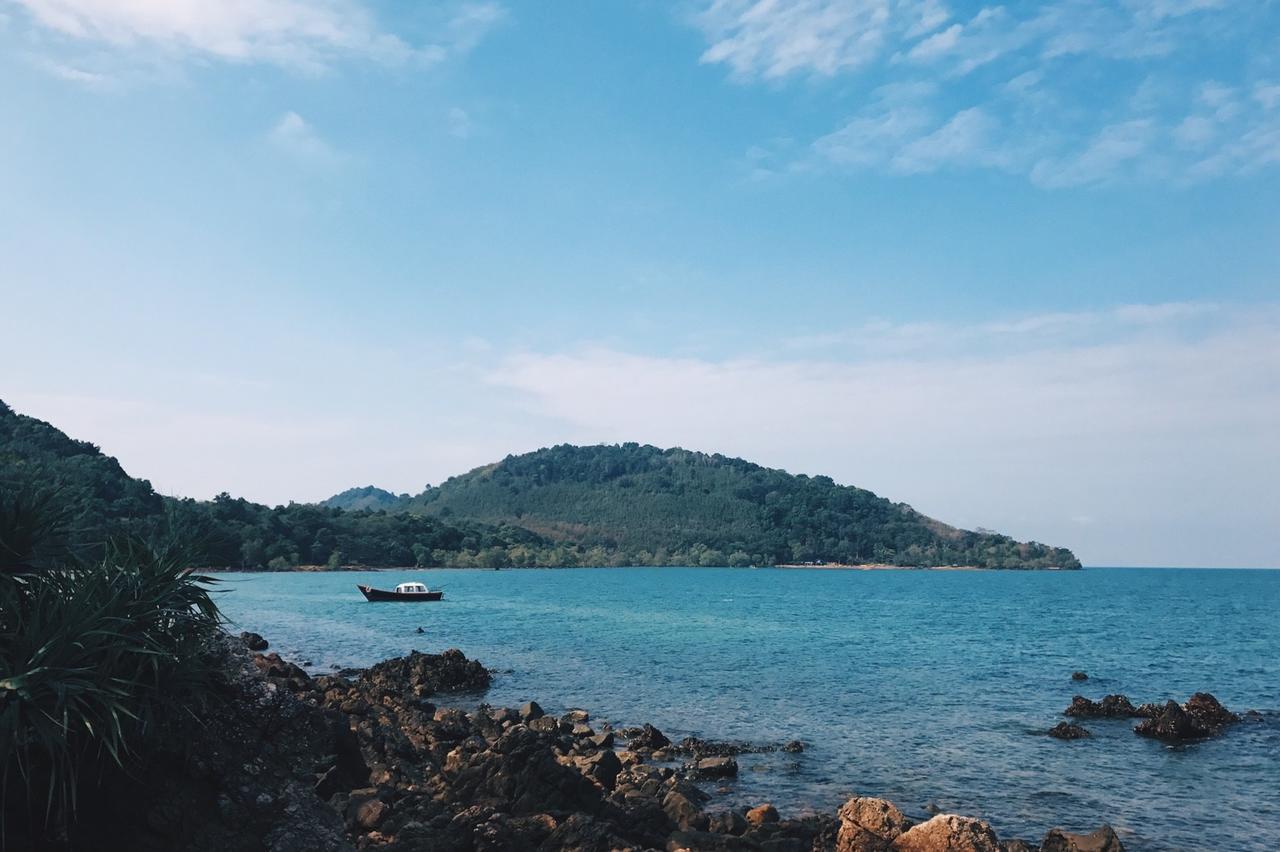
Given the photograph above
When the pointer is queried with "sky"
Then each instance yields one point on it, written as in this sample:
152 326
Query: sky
1016 265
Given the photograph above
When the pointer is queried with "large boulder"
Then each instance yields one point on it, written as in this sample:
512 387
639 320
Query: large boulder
1102 840
1173 724
254 641
948 833
869 825
1206 710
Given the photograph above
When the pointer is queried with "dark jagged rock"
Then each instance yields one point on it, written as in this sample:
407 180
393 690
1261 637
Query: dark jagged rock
530 711
1110 707
421 675
1201 717
646 737
1079 676
793 747
1068 731
1102 840
254 641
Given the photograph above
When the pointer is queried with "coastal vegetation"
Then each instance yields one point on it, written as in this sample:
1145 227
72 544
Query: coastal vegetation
563 506
94 654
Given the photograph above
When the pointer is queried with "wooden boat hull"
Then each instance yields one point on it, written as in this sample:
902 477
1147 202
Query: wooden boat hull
379 595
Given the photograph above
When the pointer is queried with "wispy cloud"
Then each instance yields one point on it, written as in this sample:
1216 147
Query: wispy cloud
305 36
294 136
1014 88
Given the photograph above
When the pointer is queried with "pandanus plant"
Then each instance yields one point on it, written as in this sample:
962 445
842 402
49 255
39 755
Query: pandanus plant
92 652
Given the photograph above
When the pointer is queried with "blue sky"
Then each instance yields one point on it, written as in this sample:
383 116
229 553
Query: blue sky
1015 265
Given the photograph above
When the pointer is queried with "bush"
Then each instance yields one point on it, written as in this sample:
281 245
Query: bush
90 655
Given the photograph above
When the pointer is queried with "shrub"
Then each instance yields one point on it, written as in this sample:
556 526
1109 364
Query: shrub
91 653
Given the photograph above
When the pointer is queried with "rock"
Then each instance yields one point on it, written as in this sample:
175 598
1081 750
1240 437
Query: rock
1201 717
649 737
715 767
727 822
581 729
1102 840
419 630
1068 731
1110 707
603 766
575 717
369 814
1020 846
948 833
531 711
793 747
604 740
1206 710
765 813
1172 725
253 641
869 825
1079 676
545 724
683 812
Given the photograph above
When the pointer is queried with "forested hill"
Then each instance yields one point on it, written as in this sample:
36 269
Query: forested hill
98 500
368 497
564 506
634 504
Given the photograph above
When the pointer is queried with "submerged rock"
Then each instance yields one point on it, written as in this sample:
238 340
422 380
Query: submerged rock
1068 731
1102 840
1079 676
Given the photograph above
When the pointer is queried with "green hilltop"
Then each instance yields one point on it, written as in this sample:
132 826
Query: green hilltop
638 504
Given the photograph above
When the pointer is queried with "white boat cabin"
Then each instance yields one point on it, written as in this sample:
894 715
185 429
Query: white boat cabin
411 589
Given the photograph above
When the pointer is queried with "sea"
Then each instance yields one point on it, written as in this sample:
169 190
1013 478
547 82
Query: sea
933 689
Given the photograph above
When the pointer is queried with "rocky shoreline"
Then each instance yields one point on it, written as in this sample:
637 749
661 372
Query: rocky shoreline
292 762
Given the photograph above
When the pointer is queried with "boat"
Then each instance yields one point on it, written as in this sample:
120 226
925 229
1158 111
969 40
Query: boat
403 592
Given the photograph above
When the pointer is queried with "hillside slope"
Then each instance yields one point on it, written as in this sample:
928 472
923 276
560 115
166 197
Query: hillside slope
101 500
644 505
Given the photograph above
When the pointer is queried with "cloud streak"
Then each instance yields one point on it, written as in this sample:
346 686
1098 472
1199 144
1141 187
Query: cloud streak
304 36
1017 88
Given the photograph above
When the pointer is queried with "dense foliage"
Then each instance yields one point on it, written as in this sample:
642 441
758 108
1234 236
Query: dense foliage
90 653
641 505
100 500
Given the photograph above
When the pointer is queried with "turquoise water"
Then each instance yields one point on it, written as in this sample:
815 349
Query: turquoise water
919 686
